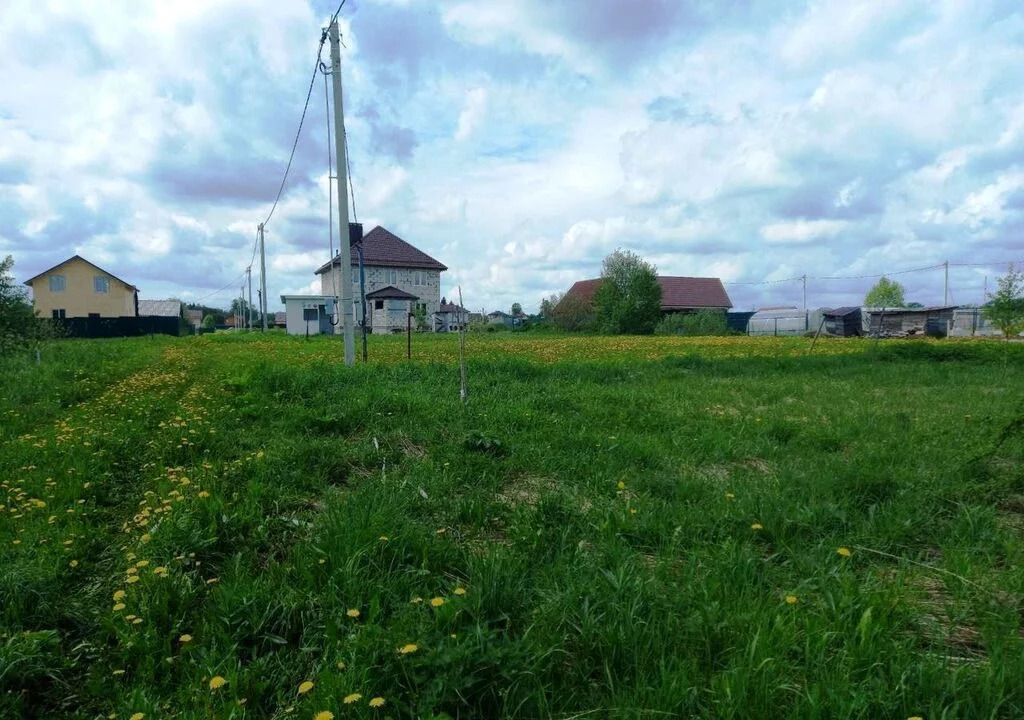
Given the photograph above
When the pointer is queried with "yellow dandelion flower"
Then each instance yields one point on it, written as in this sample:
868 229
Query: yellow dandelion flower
118 607
137 716
730 496
119 595
354 697
918 717
305 687
73 563
146 537
118 672
136 621
377 702
416 600
142 563
383 538
437 602
186 638
621 485
845 552
204 494
324 715
132 579
217 682
791 599
407 649
341 665
757 526
460 591
132 571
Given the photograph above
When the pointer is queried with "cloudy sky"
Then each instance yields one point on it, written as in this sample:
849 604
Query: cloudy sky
520 141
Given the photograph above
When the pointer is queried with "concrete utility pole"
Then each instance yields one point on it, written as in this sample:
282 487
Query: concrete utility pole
345 251
263 281
945 284
806 320
248 310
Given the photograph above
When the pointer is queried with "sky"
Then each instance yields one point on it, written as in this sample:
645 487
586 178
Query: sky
521 141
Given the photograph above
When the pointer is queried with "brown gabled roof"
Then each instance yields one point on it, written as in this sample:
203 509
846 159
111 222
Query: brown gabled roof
79 257
677 293
384 248
392 293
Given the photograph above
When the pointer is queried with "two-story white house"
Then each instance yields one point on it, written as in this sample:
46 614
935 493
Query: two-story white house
399 279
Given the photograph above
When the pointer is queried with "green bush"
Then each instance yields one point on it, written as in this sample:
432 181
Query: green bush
702 322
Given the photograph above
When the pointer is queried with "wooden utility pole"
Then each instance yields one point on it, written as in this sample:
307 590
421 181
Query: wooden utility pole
345 250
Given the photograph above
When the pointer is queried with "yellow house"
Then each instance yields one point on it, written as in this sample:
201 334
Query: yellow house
77 288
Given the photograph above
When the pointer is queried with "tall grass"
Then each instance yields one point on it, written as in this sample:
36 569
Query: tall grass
600 536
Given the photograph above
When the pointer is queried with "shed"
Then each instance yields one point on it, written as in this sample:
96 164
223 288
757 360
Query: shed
778 321
971 322
737 321
843 322
901 322
309 314
388 309
160 308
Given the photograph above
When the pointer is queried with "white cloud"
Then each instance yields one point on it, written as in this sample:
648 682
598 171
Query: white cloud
799 232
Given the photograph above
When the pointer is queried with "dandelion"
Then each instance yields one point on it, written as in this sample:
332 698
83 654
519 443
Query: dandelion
119 595
791 599
137 716
845 552
118 672
136 621
73 563
383 538
441 531
354 697
212 581
407 649
918 717
377 702
416 600
204 494
146 537
341 665
730 496
186 638
757 526
621 485
118 607
324 715
132 579
305 687
437 602
352 612
142 563
460 591
217 682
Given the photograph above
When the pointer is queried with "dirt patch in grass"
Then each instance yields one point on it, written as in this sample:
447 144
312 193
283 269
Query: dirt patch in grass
525 490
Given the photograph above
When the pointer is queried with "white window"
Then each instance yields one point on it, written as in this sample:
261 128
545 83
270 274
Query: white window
57 283
419 277
101 284
391 277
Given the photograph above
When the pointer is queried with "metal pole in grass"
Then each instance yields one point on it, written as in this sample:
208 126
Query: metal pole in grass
408 332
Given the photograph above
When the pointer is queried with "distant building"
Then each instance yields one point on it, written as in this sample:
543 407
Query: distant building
160 308
678 294
935 320
778 321
388 262
76 288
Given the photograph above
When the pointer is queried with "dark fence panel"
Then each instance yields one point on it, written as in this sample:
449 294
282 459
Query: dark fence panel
89 327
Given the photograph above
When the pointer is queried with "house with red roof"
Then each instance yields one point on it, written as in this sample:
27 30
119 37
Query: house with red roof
678 294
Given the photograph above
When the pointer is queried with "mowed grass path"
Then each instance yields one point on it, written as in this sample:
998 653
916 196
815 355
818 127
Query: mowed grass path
238 527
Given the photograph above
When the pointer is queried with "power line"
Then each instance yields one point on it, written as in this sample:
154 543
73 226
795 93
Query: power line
875 275
302 119
215 292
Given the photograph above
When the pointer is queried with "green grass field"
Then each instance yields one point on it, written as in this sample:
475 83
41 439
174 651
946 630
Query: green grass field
240 527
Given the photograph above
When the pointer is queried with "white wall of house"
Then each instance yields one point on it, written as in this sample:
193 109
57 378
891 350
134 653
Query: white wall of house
294 307
424 284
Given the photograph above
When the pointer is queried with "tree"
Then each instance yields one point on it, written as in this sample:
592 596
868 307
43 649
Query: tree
209 321
568 312
517 309
1005 307
885 293
628 299
18 322
419 314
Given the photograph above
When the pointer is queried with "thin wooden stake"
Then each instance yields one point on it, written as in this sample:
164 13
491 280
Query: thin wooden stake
463 394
